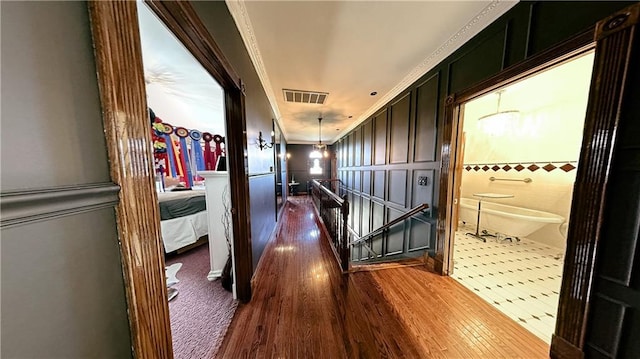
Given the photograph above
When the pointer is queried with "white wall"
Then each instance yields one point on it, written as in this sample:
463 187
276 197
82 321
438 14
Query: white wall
552 108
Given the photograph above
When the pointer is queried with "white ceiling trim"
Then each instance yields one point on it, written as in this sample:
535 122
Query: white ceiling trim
243 23
488 15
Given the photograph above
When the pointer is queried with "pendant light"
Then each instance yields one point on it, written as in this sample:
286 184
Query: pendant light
319 150
499 122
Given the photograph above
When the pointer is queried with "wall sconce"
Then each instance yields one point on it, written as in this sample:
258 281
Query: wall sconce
262 144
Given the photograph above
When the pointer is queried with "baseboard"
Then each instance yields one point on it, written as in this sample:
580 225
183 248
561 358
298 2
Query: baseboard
214 274
430 263
562 349
434 264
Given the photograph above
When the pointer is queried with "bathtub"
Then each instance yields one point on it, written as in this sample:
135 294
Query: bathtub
508 220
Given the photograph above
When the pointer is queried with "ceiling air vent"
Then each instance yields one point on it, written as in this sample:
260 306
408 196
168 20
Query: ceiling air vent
299 96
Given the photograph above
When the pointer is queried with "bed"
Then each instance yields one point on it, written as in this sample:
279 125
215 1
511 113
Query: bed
183 218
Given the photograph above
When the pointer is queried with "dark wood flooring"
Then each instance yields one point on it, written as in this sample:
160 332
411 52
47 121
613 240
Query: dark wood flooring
304 307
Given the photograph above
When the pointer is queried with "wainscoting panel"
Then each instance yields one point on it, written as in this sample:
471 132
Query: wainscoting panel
419 235
379 184
344 146
468 70
426 119
262 216
349 195
356 206
377 220
399 130
367 141
395 238
350 151
366 216
63 289
357 181
366 182
357 147
620 258
380 143
610 318
398 182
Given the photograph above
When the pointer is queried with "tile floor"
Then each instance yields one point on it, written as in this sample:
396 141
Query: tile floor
521 279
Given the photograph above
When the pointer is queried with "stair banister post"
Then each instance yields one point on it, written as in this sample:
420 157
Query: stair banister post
344 250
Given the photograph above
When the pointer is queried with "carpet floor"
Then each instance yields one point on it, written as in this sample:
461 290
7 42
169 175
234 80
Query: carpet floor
202 311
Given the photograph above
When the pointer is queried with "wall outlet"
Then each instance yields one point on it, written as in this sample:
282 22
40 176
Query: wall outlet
423 181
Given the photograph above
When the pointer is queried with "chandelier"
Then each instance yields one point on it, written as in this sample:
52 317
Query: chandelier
499 122
319 149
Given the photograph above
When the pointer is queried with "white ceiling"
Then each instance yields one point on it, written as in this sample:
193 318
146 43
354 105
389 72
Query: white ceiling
350 49
179 90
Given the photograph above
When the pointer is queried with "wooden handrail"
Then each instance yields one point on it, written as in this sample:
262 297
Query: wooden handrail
409 214
328 192
353 233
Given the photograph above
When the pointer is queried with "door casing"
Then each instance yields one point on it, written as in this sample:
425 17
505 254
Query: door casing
115 31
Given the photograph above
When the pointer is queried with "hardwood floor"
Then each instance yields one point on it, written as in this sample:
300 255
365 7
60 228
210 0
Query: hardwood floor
304 307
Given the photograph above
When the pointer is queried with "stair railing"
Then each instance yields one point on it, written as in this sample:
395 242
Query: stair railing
421 208
334 214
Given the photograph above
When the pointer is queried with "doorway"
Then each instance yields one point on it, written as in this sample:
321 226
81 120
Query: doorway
126 118
519 149
187 122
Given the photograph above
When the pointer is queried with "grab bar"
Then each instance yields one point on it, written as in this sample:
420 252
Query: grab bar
526 180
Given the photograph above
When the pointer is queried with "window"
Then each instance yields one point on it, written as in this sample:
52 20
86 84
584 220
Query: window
316 169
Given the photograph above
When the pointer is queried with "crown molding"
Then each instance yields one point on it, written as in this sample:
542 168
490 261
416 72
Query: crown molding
243 23
488 15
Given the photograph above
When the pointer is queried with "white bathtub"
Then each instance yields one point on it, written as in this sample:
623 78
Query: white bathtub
509 220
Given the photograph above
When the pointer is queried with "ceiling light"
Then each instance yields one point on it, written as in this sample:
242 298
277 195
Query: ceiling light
319 147
499 122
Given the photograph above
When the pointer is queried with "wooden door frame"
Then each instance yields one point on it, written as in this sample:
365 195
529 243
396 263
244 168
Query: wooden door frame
116 38
610 38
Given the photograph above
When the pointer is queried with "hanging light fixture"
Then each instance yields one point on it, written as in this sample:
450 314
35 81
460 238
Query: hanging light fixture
499 122
319 149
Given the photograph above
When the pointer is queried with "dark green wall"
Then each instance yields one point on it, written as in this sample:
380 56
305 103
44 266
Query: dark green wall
262 179
381 161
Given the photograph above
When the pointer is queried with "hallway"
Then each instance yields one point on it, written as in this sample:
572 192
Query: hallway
303 307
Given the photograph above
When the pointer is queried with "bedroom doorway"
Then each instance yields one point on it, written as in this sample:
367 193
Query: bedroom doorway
188 130
127 132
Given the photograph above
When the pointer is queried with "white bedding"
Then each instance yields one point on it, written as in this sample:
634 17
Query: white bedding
182 231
